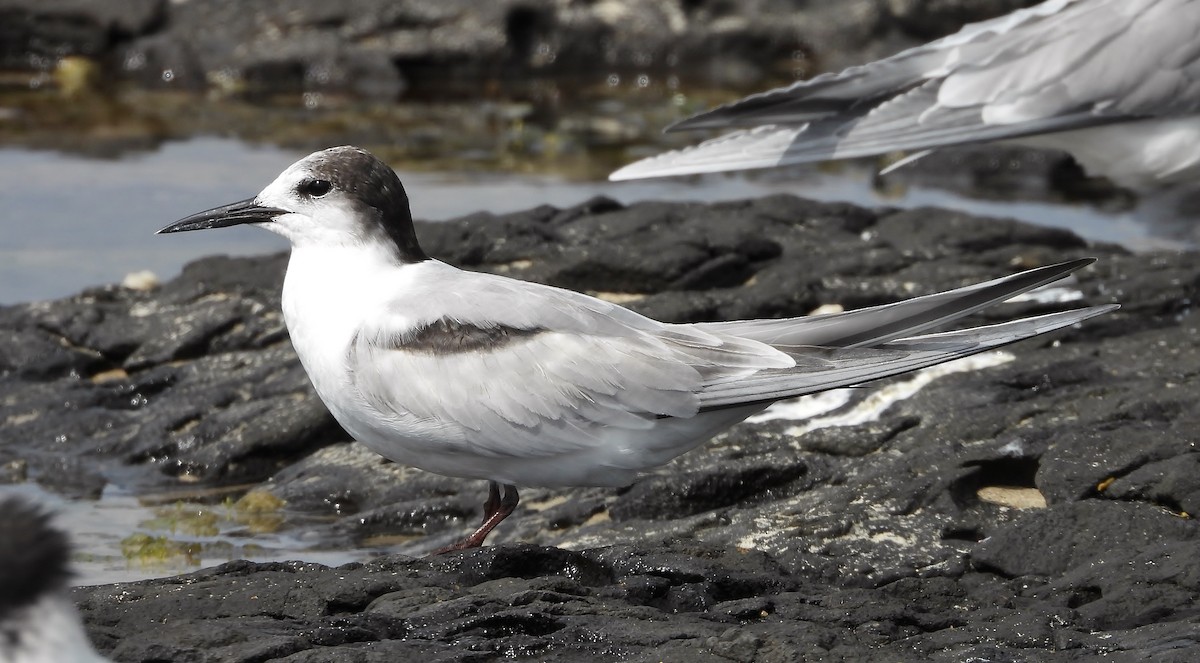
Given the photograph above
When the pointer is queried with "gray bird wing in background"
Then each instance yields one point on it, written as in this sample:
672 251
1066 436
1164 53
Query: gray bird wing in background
1061 66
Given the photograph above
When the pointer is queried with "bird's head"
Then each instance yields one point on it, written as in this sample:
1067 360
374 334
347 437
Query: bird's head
342 196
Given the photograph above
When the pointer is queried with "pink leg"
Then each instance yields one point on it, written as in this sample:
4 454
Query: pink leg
495 510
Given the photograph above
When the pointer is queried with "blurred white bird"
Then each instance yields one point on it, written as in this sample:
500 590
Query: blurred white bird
1116 83
38 621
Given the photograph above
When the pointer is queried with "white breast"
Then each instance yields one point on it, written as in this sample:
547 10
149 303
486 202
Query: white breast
328 293
325 299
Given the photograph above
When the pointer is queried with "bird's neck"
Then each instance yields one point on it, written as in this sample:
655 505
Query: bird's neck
335 278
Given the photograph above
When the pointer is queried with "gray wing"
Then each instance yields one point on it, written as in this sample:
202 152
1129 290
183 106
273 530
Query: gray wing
1061 65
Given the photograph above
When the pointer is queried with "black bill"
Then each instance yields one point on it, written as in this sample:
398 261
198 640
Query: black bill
245 211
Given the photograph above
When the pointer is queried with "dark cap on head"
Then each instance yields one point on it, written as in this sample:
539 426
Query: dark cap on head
33 556
375 186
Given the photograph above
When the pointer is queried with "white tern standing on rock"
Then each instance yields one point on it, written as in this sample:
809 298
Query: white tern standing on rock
486 377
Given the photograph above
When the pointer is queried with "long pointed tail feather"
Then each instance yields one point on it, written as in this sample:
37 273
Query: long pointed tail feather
879 324
851 366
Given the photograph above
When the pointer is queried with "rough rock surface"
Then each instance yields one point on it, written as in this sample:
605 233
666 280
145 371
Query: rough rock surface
1035 509
35 33
376 48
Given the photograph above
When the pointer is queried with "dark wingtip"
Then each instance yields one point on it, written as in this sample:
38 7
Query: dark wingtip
1072 266
34 555
1062 269
713 118
687 124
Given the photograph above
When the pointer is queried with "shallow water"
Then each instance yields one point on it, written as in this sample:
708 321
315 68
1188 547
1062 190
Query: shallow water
122 537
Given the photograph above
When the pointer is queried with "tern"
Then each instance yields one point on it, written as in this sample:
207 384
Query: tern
480 376
38 621
1116 83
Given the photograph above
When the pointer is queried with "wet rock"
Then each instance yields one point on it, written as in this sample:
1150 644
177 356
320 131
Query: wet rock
1166 482
1003 172
932 18
681 601
213 340
687 492
1078 535
41 354
35 34
375 49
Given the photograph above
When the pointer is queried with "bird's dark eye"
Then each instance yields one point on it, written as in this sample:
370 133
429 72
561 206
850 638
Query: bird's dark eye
315 188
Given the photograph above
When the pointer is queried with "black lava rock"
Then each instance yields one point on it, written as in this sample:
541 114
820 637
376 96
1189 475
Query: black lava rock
377 49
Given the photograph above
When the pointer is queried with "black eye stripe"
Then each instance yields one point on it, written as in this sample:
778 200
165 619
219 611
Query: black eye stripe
315 188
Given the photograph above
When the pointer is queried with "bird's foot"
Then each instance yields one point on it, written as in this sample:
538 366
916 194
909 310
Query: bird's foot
496 509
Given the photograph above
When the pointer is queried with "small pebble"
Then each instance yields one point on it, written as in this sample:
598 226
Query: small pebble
143 280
